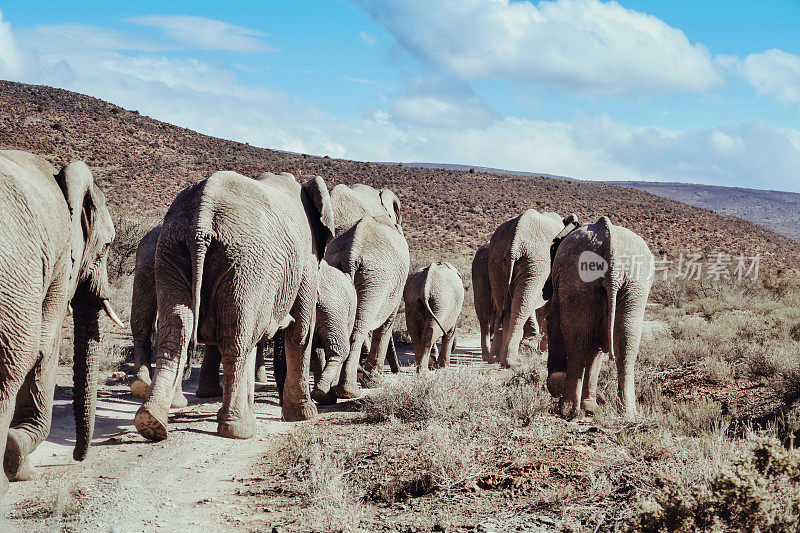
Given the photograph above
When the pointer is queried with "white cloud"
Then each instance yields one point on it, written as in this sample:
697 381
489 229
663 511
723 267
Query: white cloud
10 58
438 102
367 38
585 45
205 33
774 73
437 119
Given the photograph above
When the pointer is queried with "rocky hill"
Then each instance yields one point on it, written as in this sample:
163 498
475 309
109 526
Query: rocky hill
775 210
142 163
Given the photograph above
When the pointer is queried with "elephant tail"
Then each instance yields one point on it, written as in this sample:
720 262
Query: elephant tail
611 293
198 251
426 292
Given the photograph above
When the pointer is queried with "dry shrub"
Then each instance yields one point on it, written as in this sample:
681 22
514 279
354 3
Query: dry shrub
321 474
760 492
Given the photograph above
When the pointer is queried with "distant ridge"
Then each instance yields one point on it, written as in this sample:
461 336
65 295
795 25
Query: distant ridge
489 170
142 164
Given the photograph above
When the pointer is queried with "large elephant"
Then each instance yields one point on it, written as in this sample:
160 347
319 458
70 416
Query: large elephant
601 280
519 265
237 260
54 240
482 295
144 310
370 247
433 298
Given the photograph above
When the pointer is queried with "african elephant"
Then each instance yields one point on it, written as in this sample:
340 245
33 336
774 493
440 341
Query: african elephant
482 295
601 280
143 321
369 247
519 264
433 298
237 260
54 240
336 313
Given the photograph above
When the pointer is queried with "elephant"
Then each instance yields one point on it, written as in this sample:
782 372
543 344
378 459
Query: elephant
433 298
237 260
369 246
482 295
335 316
601 278
55 238
519 265
143 320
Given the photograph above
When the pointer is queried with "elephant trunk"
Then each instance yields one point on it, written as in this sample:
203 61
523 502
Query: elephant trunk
86 319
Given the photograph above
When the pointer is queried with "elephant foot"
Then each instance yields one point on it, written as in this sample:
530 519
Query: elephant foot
305 410
348 391
261 374
237 429
208 390
556 383
323 397
568 409
179 401
141 383
16 462
589 405
372 380
151 422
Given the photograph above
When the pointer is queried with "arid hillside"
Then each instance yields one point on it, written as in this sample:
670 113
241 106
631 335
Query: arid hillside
142 164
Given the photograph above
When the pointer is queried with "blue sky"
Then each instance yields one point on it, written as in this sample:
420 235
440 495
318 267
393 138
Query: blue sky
691 91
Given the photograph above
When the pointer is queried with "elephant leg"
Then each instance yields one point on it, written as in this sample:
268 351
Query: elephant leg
391 356
32 418
318 361
174 330
297 404
422 351
261 368
594 363
497 339
447 348
556 353
377 355
142 352
569 405
348 382
236 418
486 340
627 336
522 308
179 401
208 386
279 362
336 349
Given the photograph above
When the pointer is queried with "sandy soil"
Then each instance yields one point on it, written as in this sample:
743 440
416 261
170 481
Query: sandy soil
192 481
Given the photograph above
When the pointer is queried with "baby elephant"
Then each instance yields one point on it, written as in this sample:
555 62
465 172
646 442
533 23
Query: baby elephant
433 298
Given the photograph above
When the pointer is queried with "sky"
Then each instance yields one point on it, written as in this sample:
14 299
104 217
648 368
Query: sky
700 92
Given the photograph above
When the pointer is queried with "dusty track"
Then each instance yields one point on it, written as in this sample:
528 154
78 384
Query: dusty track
188 482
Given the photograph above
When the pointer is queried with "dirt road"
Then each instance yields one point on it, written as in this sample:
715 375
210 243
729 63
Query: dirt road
129 484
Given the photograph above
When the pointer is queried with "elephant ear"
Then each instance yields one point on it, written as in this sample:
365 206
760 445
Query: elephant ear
391 203
77 184
319 209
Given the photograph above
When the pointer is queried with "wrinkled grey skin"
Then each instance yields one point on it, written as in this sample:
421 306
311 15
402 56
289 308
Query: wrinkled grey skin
143 322
433 299
54 239
482 295
370 248
519 264
237 260
604 315
336 315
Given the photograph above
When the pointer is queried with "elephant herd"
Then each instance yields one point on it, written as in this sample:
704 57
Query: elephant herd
239 262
